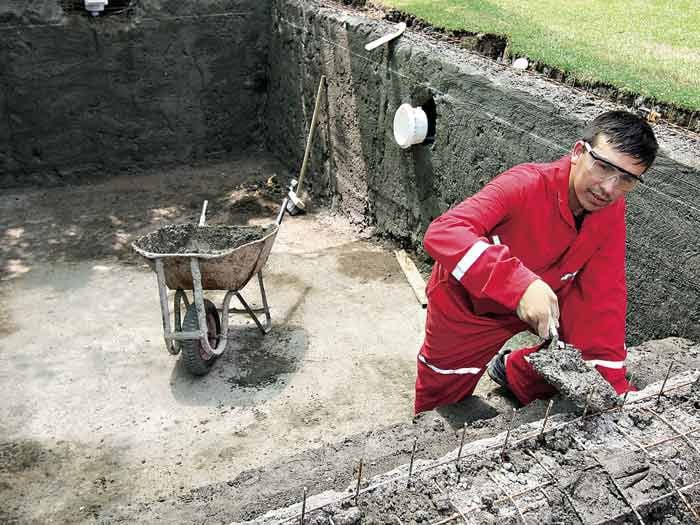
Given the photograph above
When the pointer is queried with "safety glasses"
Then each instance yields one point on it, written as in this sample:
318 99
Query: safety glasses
604 170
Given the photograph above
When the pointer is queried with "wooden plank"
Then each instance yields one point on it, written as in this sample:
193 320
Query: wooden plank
415 279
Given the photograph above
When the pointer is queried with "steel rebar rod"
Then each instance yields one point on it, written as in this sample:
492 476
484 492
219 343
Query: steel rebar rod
670 425
562 491
619 489
461 445
517 495
627 393
648 502
671 438
546 417
668 374
303 506
449 500
641 447
505 493
505 441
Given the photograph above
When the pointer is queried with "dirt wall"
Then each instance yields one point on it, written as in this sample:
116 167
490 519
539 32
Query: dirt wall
162 81
489 117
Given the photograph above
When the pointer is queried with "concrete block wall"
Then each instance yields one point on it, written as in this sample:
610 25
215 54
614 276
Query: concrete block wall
488 119
169 81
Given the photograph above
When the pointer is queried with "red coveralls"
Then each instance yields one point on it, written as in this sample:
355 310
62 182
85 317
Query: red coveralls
487 251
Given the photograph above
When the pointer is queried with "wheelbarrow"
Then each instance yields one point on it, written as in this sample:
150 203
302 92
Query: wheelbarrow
199 257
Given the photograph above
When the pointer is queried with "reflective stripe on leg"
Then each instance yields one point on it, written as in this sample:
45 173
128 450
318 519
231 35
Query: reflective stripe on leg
459 371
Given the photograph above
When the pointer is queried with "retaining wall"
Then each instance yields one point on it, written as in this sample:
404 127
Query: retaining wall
489 118
165 81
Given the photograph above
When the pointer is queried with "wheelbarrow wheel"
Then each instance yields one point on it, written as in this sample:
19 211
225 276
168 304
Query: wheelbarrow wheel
195 359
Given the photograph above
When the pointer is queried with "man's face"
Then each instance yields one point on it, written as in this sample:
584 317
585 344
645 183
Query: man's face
595 182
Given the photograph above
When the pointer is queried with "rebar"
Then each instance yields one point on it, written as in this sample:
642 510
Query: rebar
562 491
517 495
303 506
546 417
606 521
510 498
672 438
627 393
449 501
359 479
447 519
667 478
461 445
670 425
661 390
410 467
619 489
505 441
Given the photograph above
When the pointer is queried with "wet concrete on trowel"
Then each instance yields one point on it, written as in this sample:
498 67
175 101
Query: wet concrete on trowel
564 368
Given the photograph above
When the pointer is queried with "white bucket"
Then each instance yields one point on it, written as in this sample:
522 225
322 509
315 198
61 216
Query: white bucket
410 126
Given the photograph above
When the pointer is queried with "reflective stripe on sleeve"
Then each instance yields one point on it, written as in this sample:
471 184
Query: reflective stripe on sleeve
606 364
461 371
469 259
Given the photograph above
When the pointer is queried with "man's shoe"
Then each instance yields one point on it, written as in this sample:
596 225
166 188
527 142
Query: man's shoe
497 369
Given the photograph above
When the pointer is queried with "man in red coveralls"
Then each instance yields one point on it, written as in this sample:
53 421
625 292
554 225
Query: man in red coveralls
542 246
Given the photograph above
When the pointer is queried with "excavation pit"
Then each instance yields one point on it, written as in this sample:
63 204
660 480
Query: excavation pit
122 124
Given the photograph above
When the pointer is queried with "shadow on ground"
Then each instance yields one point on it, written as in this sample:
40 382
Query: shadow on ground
99 221
253 368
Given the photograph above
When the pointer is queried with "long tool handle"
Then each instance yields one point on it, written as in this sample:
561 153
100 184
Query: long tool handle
400 28
309 139
203 216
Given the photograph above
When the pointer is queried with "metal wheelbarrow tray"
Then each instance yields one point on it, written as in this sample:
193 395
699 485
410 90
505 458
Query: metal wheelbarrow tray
198 258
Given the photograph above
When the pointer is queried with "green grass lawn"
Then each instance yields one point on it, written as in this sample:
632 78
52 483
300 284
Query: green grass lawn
647 47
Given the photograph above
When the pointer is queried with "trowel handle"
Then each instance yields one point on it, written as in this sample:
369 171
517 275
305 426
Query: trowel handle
312 128
553 334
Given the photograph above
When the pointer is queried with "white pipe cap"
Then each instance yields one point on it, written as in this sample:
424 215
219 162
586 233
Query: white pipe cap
520 63
410 126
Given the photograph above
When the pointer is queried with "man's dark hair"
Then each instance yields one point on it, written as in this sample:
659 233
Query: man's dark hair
626 132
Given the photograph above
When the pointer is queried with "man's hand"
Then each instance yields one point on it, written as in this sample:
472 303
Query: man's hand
539 308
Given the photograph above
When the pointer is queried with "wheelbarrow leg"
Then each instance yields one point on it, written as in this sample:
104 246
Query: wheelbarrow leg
201 312
172 346
266 308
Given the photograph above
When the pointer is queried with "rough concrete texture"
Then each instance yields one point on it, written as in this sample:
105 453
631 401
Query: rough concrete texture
489 117
579 471
168 81
564 368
